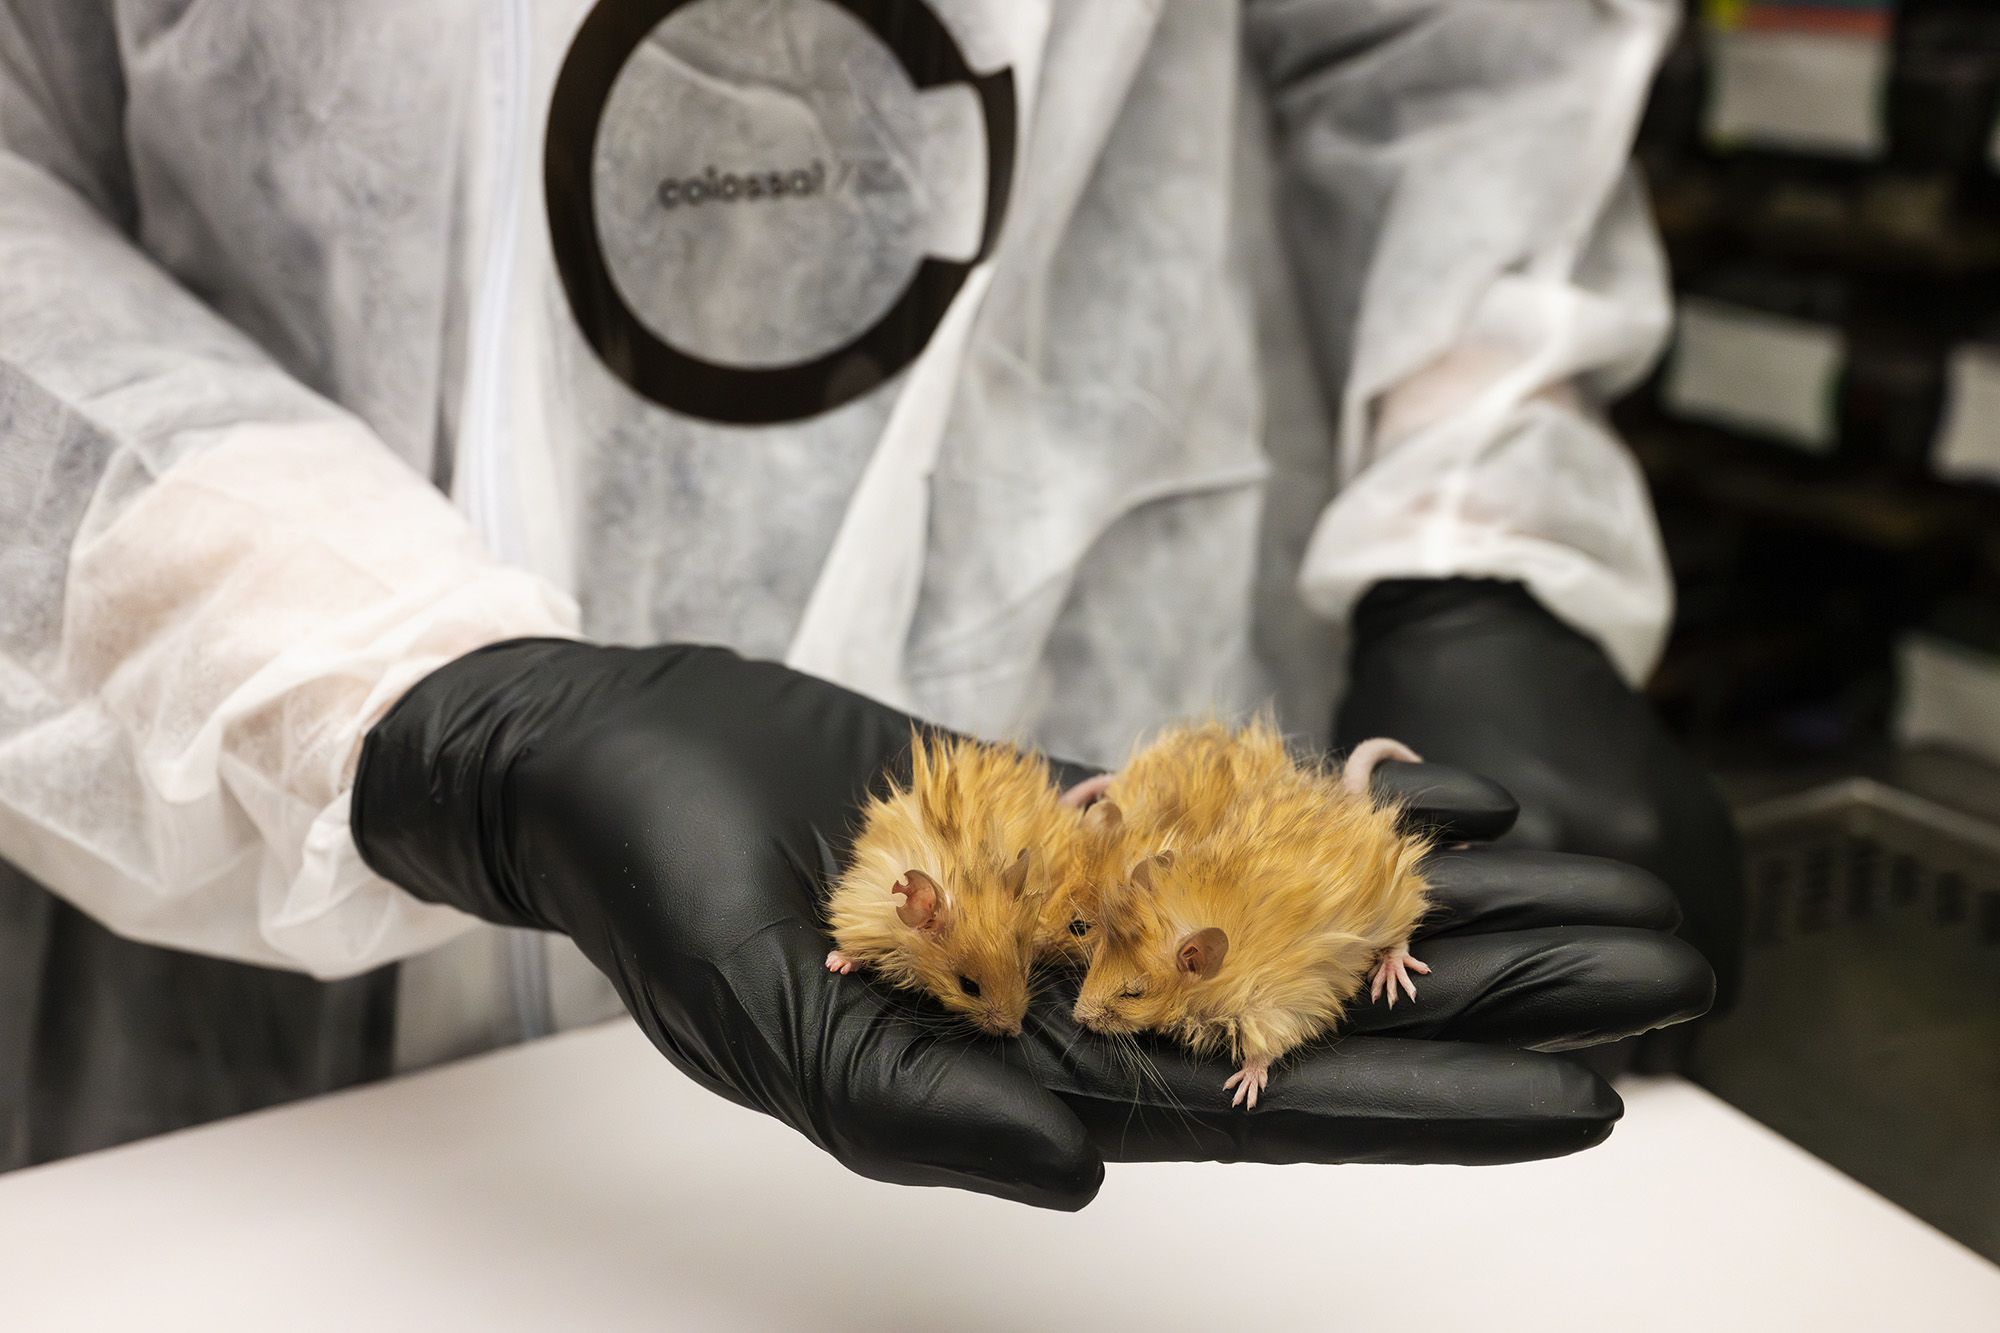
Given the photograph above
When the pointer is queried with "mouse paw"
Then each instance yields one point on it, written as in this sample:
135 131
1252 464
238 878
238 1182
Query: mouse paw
1393 968
839 962
1248 1082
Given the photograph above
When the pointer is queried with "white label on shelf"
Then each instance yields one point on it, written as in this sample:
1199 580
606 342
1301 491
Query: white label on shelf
1755 371
1805 91
1969 442
1949 694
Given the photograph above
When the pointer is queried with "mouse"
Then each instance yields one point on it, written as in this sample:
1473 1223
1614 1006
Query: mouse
1178 785
952 885
1092 845
1183 782
1257 896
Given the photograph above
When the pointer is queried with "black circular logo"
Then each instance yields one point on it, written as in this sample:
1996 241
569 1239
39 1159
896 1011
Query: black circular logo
743 394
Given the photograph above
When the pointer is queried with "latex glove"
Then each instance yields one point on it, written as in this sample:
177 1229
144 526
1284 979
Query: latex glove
678 812
1478 674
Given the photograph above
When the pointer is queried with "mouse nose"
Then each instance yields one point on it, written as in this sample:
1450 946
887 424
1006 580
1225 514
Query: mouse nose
1004 1026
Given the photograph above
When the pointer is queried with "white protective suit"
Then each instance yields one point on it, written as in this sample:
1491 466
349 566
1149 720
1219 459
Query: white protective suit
1081 361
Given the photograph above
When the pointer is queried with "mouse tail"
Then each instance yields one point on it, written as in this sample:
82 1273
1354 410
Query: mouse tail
1361 764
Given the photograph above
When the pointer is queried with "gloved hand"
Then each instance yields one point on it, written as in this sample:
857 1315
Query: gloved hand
676 811
1478 674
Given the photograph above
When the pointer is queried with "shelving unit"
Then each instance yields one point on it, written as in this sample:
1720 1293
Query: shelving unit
1826 174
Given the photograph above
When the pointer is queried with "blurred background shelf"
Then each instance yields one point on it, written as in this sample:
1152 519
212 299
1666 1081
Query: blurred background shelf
1882 509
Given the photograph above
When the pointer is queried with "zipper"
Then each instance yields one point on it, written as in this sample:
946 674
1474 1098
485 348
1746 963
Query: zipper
488 497
486 429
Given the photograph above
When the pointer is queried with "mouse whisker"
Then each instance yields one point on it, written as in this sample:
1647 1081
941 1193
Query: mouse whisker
1076 1034
1127 1053
1151 1074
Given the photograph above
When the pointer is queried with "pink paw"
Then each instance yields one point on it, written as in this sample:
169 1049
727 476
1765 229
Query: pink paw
1392 970
839 962
1248 1082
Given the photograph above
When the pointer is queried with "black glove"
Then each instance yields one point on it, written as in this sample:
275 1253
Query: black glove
677 810
1480 675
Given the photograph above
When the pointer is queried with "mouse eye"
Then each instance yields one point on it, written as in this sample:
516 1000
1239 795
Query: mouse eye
1079 927
1133 991
969 986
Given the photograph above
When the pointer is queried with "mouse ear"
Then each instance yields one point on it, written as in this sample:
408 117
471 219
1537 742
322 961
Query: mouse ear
1015 878
1142 874
1104 817
1201 953
922 907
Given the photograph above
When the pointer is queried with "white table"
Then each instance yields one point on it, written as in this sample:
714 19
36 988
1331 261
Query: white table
581 1183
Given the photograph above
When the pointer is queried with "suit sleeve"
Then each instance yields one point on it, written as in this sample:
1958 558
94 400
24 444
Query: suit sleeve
1480 277
211 579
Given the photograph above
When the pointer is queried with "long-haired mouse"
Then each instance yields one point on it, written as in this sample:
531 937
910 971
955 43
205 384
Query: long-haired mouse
1261 895
951 887
1182 785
